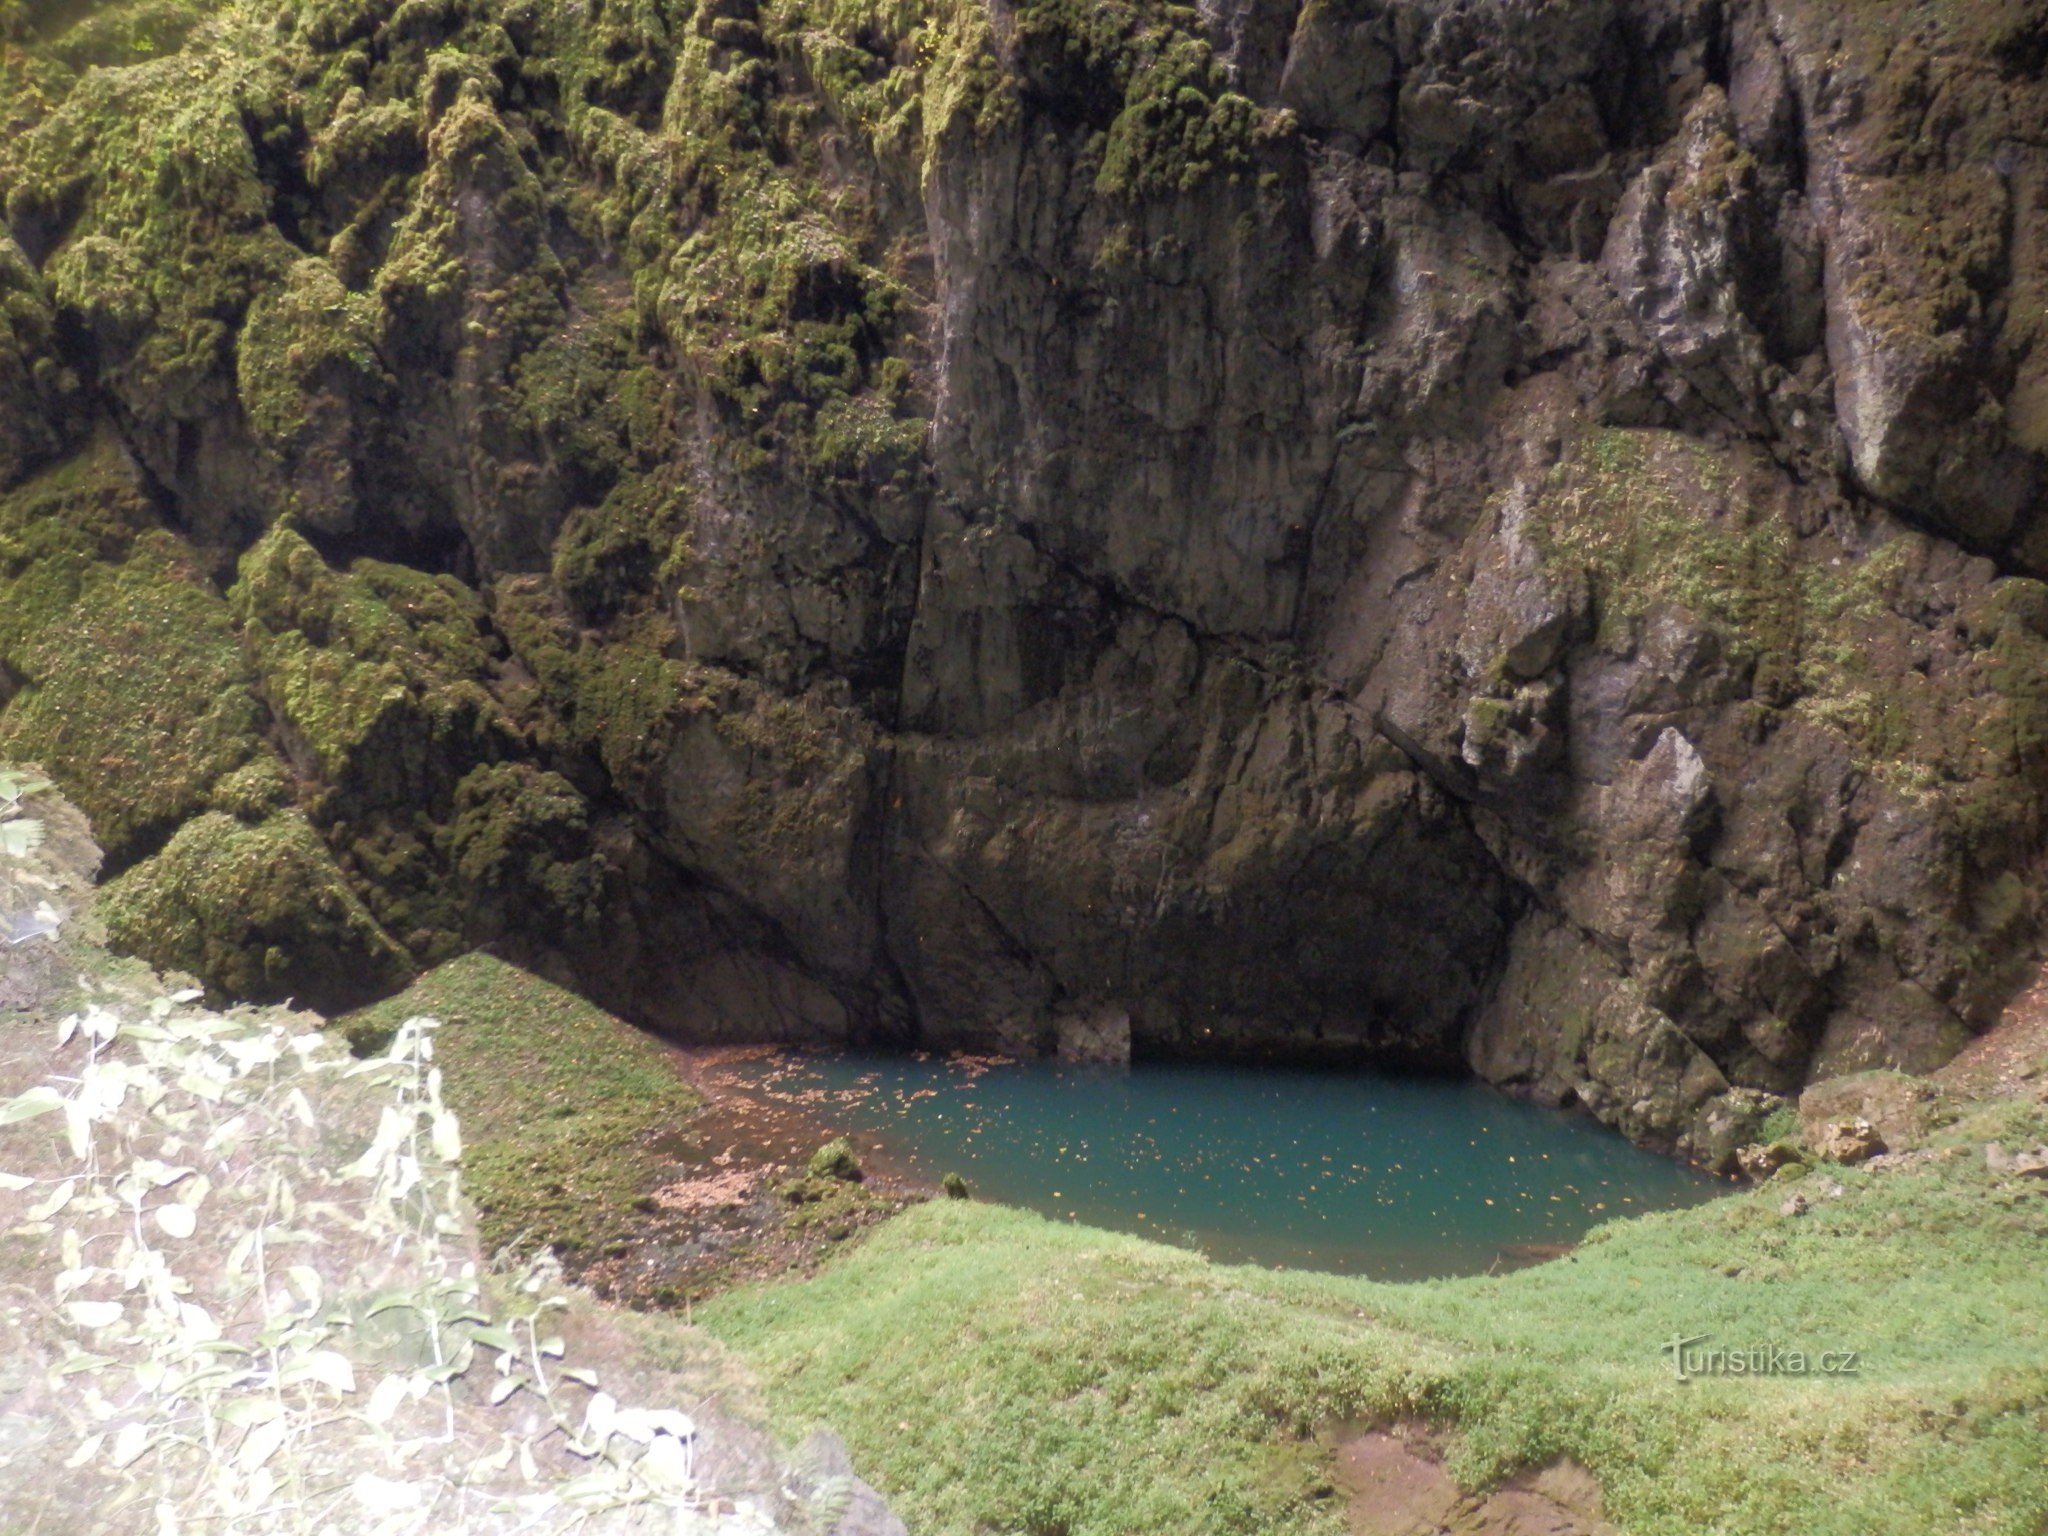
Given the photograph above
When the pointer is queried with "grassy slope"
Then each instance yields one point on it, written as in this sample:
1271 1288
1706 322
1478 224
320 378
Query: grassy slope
1000 1372
560 1103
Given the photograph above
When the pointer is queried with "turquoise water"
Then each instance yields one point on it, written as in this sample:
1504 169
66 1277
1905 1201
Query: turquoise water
1389 1177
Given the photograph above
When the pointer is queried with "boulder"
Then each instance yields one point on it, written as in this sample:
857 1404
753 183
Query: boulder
1848 1141
1894 1104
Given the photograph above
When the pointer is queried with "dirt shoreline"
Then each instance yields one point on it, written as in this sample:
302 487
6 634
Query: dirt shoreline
739 1206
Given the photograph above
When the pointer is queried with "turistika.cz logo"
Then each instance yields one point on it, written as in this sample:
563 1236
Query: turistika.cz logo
1695 1356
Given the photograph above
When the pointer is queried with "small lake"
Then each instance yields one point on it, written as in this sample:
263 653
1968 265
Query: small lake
1395 1178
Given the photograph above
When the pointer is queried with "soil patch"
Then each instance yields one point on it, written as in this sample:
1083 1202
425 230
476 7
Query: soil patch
1394 1484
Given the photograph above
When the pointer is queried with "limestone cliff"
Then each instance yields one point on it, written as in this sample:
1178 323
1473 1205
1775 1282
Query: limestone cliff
1488 531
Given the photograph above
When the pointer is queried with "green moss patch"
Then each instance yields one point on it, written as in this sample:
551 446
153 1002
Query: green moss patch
373 671
259 913
137 695
561 1104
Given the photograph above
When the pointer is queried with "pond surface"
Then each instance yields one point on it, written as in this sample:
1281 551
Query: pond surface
1395 1178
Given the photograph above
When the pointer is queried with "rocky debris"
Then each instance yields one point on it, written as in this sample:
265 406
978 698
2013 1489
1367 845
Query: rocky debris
1847 1141
1795 1205
1894 1104
1759 1161
2031 1163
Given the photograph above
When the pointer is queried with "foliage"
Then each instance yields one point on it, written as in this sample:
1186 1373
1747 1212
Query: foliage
278 1302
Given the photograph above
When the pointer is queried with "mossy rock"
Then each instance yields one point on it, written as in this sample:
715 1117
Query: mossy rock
835 1160
519 849
374 672
563 1106
137 695
258 913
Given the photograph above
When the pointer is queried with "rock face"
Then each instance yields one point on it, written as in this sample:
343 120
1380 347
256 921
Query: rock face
1414 530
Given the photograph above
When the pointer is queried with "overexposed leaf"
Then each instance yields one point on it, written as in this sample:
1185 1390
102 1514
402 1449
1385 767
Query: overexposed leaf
54 1202
88 1448
644 1425
160 1175
13 1182
77 1128
385 1399
577 1374
502 1389
39 1100
94 1314
325 1366
130 1441
251 1411
667 1464
177 1220
382 1495
300 1108
261 1443
20 837
447 1138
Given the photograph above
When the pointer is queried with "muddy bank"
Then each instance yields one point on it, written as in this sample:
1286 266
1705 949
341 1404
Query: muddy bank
741 1205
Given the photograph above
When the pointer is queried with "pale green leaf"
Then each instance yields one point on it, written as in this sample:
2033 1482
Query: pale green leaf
94 1314
39 1100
